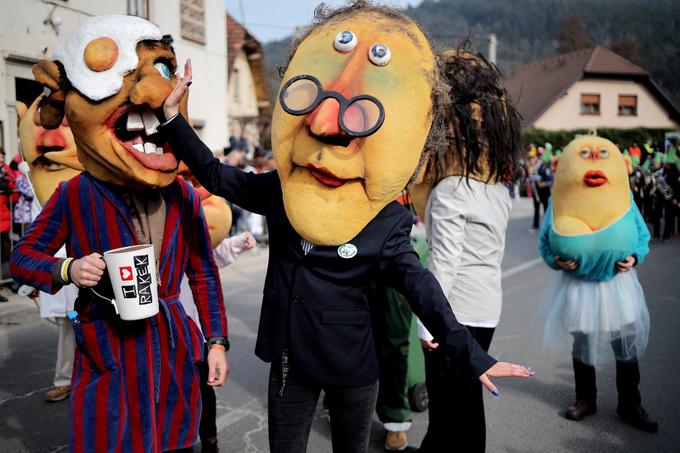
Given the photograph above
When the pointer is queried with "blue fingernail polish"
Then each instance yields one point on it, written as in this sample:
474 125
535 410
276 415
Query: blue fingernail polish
495 393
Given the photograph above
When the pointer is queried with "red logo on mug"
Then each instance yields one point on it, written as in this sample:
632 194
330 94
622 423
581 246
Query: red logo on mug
125 273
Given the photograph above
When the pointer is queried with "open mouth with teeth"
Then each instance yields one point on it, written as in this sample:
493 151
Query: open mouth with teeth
135 128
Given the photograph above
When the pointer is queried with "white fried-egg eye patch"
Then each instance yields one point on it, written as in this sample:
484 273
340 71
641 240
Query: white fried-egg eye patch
124 31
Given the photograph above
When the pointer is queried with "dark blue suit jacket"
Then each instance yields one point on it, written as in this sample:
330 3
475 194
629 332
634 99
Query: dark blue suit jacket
315 304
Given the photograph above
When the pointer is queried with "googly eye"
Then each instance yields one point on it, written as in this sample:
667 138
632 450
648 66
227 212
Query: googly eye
345 41
163 69
585 153
379 54
604 153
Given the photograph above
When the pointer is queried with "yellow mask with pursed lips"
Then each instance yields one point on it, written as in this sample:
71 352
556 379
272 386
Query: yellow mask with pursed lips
591 188
334 184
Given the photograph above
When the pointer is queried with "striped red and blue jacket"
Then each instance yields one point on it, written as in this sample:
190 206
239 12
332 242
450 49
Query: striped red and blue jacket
135 385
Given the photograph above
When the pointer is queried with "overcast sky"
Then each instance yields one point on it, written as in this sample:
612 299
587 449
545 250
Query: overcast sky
270 20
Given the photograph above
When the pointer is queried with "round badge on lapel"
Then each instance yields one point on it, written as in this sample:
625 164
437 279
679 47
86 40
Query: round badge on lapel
347 251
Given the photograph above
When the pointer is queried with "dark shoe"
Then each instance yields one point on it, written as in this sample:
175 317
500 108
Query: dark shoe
581 409
209 445
3 298
640 419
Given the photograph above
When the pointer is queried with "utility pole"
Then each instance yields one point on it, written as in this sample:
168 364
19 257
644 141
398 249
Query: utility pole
493 44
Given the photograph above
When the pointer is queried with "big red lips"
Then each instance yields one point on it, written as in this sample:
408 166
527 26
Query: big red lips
594 178
325 176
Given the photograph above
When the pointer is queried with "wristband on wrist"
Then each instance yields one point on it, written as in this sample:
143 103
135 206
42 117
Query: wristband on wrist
218 347
65 270
219 341
68 271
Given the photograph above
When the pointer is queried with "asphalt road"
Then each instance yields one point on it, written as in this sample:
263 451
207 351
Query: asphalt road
527 417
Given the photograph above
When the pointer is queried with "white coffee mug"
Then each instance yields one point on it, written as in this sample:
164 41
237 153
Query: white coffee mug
132 271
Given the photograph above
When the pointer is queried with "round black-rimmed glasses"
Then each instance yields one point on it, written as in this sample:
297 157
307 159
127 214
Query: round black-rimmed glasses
359 116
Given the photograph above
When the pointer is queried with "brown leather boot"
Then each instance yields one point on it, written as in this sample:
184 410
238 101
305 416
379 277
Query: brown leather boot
396 441
581 409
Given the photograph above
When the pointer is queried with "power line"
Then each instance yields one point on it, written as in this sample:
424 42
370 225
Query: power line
284 27
243 14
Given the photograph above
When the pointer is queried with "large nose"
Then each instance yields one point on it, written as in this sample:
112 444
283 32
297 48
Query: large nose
150 88
52 139
324 121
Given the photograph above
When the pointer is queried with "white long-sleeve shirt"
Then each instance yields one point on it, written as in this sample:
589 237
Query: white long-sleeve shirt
466 226
225 254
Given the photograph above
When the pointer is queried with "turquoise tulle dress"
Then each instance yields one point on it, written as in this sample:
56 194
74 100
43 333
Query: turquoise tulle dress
595 299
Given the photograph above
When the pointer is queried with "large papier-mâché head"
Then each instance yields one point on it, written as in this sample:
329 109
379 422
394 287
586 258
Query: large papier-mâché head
107 77
335 182
50 154
592 187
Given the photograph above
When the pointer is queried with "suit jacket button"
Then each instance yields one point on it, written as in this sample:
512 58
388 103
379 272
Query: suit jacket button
297 299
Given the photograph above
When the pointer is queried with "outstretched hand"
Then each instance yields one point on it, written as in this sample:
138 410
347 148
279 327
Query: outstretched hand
504 369
174 99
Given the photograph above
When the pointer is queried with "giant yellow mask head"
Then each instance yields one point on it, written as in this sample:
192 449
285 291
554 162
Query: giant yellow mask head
351 120
591 188
107 78
50 154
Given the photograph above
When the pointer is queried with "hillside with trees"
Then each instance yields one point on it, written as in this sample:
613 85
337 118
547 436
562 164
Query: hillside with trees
644 31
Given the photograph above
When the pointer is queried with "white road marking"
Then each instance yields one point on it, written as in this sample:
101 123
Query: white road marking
252 407
521 267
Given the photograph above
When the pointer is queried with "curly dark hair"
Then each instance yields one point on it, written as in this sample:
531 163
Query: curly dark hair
484 132
437 138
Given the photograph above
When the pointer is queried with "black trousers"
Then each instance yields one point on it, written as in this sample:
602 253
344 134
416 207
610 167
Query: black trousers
648 206
627 377
456 411
208 425
664 208
540 198
293 401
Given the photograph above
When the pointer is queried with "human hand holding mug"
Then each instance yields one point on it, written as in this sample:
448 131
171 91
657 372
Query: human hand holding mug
88 270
